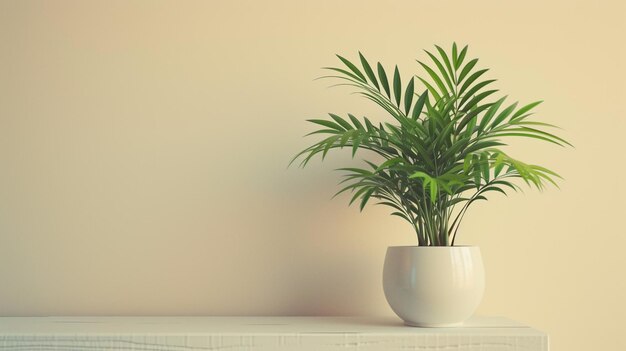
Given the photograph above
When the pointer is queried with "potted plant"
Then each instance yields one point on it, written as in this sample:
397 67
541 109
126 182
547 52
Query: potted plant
440 153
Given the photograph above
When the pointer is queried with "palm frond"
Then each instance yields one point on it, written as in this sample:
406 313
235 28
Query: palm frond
443 152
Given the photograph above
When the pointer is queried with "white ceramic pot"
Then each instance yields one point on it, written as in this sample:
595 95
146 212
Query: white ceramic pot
433 286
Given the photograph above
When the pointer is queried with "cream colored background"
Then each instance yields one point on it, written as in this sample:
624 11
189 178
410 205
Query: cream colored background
144 144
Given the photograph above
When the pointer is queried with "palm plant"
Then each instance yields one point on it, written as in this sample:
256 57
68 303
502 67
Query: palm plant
442 153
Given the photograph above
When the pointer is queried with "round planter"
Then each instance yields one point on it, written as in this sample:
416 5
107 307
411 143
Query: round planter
433 286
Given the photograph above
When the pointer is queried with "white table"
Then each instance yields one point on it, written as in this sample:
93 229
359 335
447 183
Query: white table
260 333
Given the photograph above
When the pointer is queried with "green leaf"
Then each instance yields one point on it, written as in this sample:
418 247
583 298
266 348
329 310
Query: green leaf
442 70
328 144
474 90
489 114
444 134
478 98
420 174
356 170
435 78
493 188
344 72
545 170
365 198
507 111
430 88
454 148
341 121
459 61
353 68
467 163
370 127
408 96
472 115
498 165
326 123
383 79
476 170
468 67
345 137
445 186
397 86
389 163
505 183
484 165
525 109
471 127
343 190
446 61
356 123
358 194
541 132
433 191
424 155
529 123
454 54
419 105
501 134
456 201
323 131
401 215
480 145
388 203
471 80
356 142
368 70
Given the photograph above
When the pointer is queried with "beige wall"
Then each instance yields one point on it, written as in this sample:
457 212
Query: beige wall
143 152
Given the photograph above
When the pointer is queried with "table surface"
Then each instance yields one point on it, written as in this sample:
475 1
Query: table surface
261 333
239 325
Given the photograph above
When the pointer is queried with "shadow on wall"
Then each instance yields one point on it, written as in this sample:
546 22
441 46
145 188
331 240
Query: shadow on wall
317 249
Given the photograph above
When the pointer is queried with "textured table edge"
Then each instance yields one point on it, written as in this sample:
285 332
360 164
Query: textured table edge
260 333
